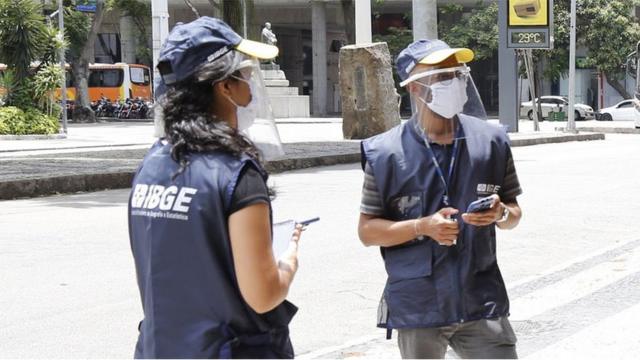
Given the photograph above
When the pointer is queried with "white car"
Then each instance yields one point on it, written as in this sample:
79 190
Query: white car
624 110
556 103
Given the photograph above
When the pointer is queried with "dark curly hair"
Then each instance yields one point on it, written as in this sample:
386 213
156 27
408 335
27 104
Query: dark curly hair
189 125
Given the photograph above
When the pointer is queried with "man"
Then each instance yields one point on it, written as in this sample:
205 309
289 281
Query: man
444 286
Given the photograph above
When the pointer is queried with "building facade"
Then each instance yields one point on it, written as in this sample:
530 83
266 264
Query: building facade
310 34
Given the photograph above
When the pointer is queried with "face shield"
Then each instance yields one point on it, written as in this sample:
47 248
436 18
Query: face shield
256 120
439 97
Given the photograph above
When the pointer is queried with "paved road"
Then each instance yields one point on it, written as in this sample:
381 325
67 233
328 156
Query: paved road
572 266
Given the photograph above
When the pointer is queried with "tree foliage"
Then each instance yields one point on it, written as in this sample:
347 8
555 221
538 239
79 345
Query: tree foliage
607 29
22 35
25 40
477 30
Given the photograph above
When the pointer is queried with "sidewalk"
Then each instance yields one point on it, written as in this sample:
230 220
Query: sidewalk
105 155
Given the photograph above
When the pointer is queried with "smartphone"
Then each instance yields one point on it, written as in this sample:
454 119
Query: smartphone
480 204
308 221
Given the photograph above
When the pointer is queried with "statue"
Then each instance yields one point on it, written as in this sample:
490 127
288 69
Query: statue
270 38
267 35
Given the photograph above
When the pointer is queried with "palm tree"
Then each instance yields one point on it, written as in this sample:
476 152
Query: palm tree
23 37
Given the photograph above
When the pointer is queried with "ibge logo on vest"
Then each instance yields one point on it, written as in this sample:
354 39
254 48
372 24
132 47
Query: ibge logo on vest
157 201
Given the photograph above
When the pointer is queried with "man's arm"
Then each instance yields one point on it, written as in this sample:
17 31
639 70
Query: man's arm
374 230
377 231
509 191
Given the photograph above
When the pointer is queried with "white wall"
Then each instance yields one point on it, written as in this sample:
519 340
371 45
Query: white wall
583 80
611 96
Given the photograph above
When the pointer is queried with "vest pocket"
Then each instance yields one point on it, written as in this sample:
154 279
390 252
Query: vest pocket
408 262
407 206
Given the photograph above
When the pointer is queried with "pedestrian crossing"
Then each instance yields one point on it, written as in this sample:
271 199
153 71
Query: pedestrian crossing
587 309
575 287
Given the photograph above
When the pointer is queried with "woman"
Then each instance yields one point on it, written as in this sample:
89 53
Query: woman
200 215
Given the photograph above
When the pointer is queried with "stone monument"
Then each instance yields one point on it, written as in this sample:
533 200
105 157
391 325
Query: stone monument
370 103
285 100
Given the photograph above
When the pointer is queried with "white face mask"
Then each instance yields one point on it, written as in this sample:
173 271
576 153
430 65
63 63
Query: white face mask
447 100
246 115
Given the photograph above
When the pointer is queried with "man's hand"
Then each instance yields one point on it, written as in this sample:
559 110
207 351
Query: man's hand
440 227
487 217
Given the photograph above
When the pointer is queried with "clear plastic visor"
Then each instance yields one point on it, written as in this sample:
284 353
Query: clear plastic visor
439 75
440 97
263 132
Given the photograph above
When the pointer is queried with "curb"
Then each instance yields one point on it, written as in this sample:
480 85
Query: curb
81 147
608 130
557 139
65 184
27 188
33 137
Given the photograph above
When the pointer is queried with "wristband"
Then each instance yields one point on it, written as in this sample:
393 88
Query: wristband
415 227
505 215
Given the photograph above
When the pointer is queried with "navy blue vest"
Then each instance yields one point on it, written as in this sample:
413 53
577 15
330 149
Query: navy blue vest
179 237
430 285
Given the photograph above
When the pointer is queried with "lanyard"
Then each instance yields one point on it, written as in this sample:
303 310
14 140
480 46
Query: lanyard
452 163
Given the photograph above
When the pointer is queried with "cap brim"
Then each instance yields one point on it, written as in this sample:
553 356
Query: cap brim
463 55
257 49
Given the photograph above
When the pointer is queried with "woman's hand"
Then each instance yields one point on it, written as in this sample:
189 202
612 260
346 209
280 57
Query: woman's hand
289 259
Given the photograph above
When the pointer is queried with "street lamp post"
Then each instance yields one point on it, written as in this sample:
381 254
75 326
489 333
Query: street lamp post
571 124
62 66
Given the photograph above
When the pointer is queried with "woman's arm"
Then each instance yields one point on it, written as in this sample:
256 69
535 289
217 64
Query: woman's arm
264 283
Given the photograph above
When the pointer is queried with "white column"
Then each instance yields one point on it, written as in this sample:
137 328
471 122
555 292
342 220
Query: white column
425 19
160 30
363 21
127 39
319 45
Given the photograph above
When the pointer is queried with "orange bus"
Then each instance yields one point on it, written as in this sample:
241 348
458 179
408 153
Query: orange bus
117 81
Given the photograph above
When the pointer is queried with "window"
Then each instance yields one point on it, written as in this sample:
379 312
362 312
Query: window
107 49
105 77
139 76
626 104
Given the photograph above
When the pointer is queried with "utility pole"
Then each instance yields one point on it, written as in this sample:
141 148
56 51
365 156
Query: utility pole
363 21
63 88
160 31
425 19
571 123
244 18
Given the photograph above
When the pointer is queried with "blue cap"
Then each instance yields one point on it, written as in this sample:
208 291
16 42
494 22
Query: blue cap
428 52
203 40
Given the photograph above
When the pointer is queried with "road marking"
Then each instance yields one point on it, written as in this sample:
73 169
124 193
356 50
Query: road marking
320 353
612 338
568 264
575 287
564 291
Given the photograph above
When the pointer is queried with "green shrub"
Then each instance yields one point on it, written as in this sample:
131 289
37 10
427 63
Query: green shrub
14 121
10 118
40 123
4 115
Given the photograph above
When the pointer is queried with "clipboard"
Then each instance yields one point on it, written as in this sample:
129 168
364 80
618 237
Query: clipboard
282 232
